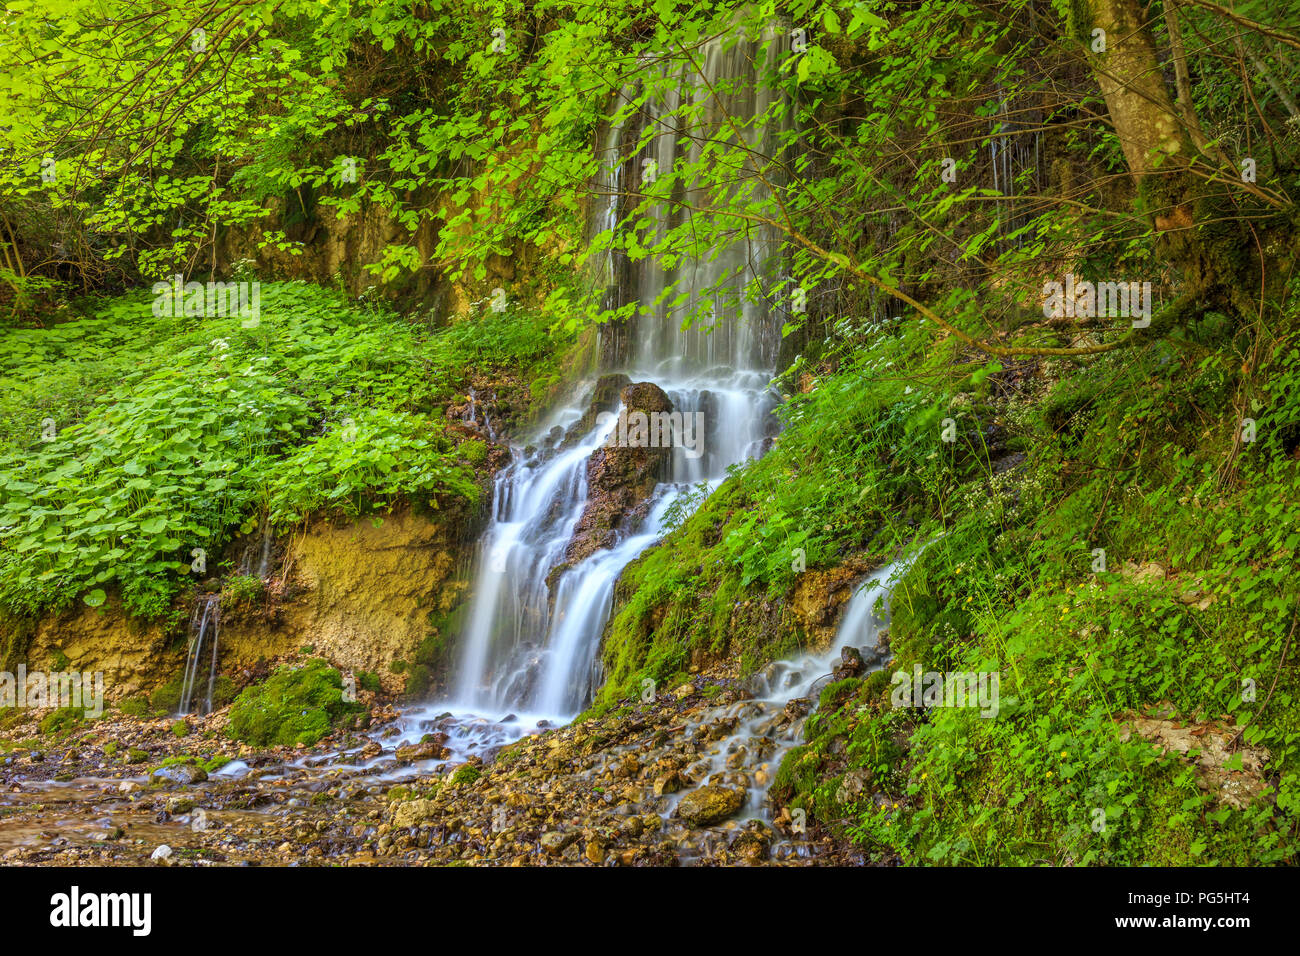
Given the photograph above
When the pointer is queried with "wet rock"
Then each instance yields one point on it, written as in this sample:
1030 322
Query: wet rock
621 479
794 709
162 854
427 750
180 773
554 841
669 783
851 664
737 758
604 398
177 805
709 805
412 813
753 842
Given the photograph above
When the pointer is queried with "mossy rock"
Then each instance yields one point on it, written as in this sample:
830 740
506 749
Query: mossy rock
62 721
295 705
465 775
134 707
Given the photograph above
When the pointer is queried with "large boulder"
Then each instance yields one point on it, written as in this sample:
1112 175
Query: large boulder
709 805
621 476
605 397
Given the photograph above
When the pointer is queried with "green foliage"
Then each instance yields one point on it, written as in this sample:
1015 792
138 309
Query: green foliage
367 463
215 427
294 705
242 589
1138 453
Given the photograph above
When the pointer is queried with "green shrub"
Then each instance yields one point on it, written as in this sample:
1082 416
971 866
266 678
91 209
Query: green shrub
242 589
138 473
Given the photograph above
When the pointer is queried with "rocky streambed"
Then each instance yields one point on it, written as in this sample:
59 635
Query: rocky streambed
680 779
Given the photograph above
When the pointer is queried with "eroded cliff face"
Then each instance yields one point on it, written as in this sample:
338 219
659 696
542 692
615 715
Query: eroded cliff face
133 656
363 594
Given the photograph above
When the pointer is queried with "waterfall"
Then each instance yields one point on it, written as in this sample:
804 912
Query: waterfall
728 102
207 615
1014 151
534 624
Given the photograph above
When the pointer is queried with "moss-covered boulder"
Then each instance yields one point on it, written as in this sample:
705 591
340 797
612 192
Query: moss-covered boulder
295 705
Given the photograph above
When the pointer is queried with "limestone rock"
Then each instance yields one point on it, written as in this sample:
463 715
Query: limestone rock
620 479
709 805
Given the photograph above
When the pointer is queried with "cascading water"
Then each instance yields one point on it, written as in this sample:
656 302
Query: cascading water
529 648
205 629
533 632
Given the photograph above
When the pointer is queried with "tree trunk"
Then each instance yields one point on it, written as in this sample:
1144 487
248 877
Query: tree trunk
1141 109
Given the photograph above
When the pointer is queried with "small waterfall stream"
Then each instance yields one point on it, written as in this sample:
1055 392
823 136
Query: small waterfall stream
205 621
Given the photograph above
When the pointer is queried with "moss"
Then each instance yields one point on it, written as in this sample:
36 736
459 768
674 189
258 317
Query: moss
62 721
295 705
134 706
836 693
466 775
206 764
11 716
418 680
16 633
167 698
473 451
214 763
180 729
